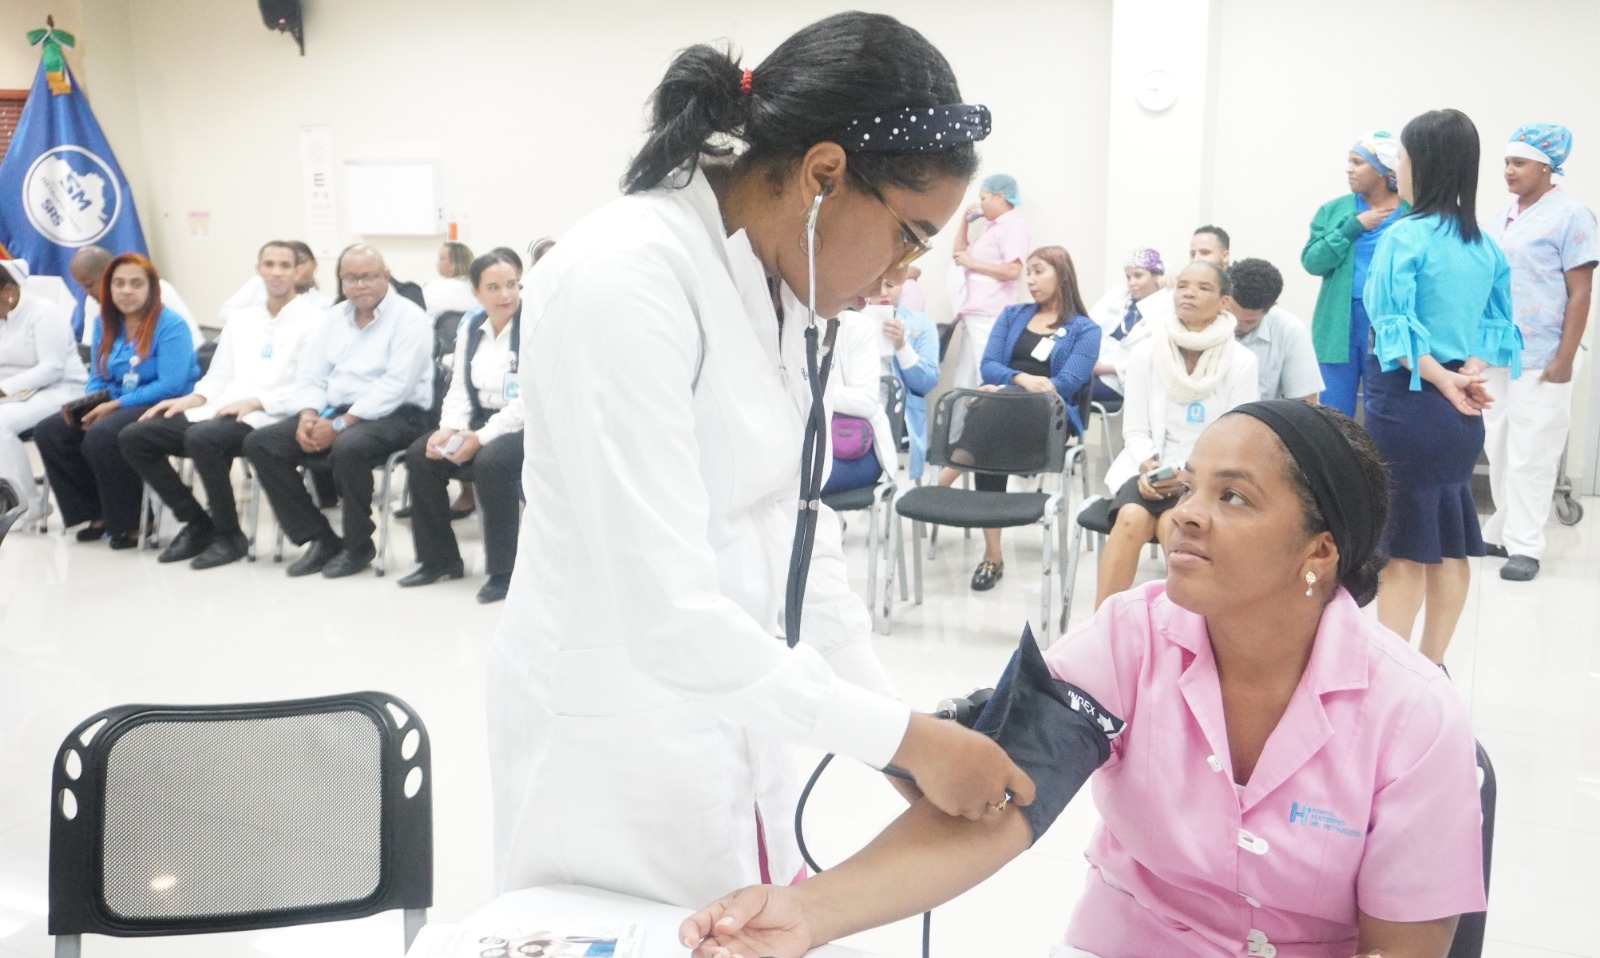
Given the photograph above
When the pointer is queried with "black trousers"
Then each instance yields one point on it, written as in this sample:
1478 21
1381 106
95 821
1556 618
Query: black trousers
497 471
276 457
212 445
87 472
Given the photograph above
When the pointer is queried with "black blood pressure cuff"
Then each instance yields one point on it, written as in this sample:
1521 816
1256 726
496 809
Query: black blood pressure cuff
1053 730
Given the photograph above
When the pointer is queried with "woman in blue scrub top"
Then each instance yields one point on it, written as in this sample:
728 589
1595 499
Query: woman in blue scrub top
1439 294
1344 234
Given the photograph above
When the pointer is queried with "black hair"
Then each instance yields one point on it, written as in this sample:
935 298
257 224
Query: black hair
842 68
1218 232
6 279
1224 281
1443 147
1257 284
302 252
1362 580
497 255
280 244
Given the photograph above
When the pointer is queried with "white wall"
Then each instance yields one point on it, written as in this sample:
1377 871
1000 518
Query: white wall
531 111
1297 82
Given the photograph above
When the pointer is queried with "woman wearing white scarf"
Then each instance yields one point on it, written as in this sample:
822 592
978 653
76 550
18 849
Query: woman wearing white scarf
1187 375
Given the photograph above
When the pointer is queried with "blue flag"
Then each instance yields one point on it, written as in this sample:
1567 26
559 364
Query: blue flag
60 186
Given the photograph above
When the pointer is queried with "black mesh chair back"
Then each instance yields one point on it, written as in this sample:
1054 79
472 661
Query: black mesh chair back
1468 942
444 332
176 820
204 354
11 508
1010 431
893 392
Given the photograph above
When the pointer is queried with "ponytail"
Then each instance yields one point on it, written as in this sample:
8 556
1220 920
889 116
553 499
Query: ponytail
845 67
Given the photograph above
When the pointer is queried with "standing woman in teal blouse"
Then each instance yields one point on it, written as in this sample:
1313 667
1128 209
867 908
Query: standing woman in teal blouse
1344 234
1439 295
141 353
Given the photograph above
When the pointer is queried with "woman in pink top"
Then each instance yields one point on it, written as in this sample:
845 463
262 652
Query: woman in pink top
992 270
1279 776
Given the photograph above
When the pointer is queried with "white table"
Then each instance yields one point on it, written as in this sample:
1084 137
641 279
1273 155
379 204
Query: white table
574 905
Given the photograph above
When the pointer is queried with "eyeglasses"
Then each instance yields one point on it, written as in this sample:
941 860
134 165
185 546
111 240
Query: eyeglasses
916 247
365 279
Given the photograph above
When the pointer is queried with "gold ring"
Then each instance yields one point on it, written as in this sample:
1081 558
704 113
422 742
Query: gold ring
1000 807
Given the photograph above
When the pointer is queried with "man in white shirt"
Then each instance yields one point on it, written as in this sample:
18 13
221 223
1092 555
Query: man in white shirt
254 291
88 265
1286 359
363 390
249 384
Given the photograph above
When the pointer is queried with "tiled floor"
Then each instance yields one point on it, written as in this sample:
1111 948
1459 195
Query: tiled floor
77 634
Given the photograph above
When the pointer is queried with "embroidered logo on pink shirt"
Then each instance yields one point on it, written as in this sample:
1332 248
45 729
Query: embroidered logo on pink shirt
1319 818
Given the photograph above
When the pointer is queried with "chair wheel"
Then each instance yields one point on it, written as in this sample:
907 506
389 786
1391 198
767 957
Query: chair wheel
1569 510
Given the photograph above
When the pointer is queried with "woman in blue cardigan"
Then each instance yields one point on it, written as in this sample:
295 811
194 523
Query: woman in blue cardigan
142 353
1048 344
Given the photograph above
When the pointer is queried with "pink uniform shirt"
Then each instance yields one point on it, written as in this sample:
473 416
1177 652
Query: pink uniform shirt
1004 240
1365 797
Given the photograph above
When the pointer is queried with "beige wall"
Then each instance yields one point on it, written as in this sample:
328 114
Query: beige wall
530 111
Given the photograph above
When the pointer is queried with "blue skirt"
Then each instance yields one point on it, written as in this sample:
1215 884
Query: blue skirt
1430 450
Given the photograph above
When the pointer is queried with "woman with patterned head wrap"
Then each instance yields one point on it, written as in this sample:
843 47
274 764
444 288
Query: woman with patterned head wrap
1549 240
1344 233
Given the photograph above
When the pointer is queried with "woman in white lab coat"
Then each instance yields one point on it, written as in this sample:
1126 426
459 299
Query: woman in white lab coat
39 370
640 692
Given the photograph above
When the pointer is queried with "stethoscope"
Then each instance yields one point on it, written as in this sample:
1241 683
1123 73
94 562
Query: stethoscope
814 451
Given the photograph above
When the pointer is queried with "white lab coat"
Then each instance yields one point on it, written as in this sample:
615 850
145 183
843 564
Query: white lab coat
638 694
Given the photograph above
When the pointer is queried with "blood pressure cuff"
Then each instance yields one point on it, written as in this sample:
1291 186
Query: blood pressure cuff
1053 730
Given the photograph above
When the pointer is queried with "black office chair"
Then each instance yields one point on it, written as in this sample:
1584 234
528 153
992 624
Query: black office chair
444 332
181 820
11 508
880 494
1009 433
1468 942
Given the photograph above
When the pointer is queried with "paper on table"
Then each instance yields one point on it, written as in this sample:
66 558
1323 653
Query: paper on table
475 940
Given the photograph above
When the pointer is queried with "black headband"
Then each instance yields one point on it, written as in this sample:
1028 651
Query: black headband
1338 484
922 129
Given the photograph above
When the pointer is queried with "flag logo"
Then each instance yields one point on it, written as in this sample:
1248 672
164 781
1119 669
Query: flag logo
71 196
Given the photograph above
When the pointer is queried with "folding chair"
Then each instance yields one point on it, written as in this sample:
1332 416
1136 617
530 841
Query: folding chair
1007 433
181 820
1468 942
880 495
11 507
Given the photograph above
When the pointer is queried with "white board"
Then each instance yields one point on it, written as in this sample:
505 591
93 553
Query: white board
391 198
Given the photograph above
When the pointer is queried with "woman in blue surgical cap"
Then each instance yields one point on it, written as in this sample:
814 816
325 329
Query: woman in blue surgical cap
1548 237
1344 233
991 269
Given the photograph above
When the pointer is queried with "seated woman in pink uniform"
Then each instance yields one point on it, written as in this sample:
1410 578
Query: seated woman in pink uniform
1278 774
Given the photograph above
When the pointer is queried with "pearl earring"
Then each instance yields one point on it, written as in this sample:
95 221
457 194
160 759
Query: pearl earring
1311 580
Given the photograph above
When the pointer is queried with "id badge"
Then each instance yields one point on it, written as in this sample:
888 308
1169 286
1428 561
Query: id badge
512 387
1042 349
1197 412
266 349
130 380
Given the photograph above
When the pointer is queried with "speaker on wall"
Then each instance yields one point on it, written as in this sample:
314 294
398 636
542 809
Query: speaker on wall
285 15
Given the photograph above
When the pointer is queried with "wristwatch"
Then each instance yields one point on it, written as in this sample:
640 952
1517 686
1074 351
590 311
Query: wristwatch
338 424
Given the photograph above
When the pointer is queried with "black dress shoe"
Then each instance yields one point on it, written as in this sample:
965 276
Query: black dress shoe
495 589
223 550
986 575
91 534
124 540
317 555
190 541
429 574
349 562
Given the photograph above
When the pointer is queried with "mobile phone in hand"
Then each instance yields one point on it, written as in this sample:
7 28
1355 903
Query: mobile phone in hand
1160 475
